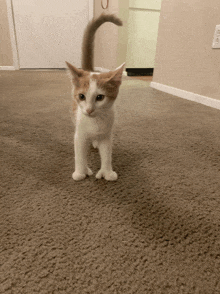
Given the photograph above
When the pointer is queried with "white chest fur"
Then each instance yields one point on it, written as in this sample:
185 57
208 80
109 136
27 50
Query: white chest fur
94 127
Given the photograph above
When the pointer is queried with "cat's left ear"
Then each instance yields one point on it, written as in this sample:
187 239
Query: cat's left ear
117 74
75 72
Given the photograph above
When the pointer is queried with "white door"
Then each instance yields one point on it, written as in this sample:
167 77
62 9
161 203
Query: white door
49 32
142 33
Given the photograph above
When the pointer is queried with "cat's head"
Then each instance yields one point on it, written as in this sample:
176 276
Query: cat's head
95 93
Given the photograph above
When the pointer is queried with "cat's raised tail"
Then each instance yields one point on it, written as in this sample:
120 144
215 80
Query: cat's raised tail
89 37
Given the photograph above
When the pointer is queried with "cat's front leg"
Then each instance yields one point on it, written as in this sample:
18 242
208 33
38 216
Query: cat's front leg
81 149
105 150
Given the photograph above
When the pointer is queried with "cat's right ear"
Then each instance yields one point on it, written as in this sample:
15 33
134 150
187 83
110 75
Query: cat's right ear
75 72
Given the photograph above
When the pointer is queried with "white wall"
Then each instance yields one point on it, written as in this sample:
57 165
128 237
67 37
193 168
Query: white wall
106 39
6 58
185 59
143 24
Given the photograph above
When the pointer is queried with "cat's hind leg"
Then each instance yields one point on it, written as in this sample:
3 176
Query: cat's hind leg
89 172
95 144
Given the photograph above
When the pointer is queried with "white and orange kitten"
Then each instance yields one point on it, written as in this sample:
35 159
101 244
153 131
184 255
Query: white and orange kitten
94 95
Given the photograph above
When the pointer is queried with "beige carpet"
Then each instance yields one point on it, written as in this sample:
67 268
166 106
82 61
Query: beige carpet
155 230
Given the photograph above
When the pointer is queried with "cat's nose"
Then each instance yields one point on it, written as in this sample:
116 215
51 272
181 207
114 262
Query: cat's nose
89 110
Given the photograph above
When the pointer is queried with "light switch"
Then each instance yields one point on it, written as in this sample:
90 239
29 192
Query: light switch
216 39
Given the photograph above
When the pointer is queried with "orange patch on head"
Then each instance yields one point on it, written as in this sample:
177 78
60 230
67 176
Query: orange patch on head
81 81
82 85
107 82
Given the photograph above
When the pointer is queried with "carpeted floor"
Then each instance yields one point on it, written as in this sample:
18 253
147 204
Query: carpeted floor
155 230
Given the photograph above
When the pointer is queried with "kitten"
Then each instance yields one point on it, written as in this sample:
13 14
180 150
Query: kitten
94 95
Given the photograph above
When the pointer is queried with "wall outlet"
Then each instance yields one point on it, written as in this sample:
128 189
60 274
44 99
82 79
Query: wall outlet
216 39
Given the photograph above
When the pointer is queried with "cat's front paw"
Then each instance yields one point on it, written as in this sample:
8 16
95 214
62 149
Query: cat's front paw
81 176
108 175
78 177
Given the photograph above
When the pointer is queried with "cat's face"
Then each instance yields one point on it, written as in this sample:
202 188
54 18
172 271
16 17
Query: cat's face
95 93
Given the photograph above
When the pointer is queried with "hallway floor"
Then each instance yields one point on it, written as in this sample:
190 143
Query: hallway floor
155 230
143 78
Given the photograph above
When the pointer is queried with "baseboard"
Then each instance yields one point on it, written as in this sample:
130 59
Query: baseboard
139 71
7 68
187 95
101 69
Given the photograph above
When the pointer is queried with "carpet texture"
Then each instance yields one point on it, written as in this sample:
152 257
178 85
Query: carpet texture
155 230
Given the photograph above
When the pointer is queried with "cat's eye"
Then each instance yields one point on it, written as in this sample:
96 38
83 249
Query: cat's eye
100 97
82 97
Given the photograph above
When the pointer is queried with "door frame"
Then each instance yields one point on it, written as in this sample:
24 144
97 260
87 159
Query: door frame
11 24
10 12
